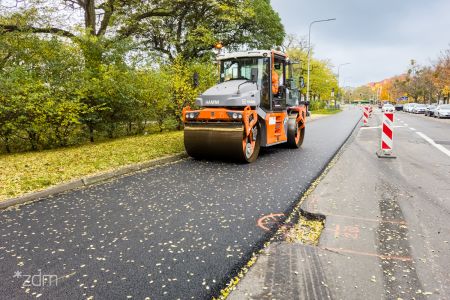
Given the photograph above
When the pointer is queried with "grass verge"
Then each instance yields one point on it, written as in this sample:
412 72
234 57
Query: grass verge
326 111
25 172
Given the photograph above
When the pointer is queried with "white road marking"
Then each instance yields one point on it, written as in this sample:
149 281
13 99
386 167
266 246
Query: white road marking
378 127
437 146
413 129
405 124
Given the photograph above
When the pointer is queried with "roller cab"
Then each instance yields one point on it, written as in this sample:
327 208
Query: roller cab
255 104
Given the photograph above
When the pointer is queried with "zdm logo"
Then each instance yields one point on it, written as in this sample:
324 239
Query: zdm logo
37 280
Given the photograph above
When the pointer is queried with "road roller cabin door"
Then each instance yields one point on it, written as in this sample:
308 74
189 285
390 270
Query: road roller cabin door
279 98
292 89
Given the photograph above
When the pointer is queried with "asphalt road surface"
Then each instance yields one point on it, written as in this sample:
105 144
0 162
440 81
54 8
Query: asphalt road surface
176 231
422 175
387 228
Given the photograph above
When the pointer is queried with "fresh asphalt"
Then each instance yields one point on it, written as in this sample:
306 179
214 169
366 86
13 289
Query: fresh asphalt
176 231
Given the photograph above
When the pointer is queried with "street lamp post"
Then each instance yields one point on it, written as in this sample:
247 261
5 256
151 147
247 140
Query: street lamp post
338 78
309 51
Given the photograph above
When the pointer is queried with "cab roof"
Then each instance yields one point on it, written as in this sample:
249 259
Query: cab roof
251 53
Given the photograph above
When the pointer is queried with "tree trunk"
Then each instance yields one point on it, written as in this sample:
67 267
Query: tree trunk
8 148
89 16
179 123
91 133
130 127
33 137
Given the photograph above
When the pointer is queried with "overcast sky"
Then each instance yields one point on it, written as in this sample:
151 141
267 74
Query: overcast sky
378 37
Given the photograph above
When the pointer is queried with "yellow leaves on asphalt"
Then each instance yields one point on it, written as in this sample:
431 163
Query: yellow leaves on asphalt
305 232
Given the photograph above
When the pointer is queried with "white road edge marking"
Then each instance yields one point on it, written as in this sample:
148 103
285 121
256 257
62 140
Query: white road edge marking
378 127
413 129
437 146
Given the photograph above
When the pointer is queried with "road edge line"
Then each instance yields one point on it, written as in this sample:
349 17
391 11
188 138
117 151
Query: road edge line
434 144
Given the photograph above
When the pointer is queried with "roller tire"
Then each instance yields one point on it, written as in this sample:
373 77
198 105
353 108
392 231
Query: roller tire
295 135
255 154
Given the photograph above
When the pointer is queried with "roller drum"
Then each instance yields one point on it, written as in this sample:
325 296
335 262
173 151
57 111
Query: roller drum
214 140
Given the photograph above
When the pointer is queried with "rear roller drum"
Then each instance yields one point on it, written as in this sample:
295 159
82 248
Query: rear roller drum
295 134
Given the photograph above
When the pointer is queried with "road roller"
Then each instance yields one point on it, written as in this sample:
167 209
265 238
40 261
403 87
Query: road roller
256 103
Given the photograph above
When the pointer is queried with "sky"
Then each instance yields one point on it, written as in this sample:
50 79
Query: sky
377 37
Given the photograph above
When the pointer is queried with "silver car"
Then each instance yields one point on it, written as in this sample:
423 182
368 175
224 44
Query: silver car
442 111
410 107
419 109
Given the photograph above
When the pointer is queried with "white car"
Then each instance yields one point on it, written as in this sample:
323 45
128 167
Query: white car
411 107
405 107
388 108
442 111
419 109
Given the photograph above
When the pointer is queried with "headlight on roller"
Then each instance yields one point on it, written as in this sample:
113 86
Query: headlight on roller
234 115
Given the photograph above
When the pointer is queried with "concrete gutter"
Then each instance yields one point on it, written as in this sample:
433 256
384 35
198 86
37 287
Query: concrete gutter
89 180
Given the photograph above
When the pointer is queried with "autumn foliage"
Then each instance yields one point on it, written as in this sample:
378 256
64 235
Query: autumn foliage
422 84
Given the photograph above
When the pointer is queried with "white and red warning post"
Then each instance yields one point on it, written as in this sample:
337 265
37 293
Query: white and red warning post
366 114
387 136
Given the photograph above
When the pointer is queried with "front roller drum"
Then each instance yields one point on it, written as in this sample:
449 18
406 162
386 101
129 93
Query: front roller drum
224 141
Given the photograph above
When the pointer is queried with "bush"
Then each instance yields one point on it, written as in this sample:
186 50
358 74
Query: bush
317 104
50 96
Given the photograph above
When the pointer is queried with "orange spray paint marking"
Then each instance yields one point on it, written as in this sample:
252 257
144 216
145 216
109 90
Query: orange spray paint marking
384 257
348 232
265 222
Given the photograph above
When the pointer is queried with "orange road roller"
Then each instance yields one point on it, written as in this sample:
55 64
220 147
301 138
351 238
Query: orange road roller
255 104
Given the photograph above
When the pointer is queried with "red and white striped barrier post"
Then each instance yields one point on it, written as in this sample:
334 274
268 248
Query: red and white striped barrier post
370 111
387 136
365 116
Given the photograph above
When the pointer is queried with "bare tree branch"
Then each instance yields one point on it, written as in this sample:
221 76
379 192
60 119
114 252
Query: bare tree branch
127 31
52 30
109 10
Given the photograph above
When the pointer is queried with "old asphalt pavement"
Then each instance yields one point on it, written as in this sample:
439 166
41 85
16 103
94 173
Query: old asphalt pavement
387 228
178 231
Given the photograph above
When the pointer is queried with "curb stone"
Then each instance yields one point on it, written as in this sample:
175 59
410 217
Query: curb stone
88 181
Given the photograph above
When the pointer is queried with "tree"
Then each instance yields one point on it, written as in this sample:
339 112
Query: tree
183 91
322 79
168 27
441 76
39 100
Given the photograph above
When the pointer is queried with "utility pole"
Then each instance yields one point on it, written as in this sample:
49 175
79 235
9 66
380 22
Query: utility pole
338 78
309 51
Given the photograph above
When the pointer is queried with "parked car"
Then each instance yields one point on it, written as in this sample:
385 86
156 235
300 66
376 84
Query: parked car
388 108
442 111
399 107
429 111
405 107
419 109
410 106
